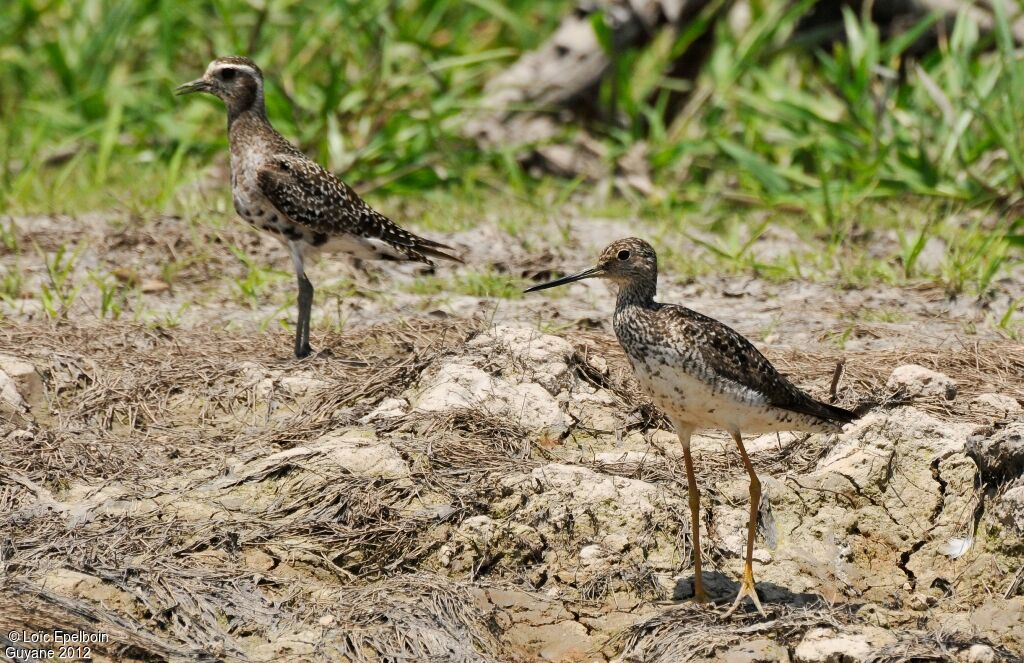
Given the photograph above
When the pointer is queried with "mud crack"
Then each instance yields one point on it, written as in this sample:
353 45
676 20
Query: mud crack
937 475
906 555
905 560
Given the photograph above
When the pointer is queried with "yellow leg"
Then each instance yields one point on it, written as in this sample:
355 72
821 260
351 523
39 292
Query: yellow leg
747 586
684 432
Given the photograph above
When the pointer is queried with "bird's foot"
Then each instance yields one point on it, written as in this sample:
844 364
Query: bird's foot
747 589
701 597
303 352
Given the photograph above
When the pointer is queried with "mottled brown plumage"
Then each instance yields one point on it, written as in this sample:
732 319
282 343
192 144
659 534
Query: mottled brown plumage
279 190
703 375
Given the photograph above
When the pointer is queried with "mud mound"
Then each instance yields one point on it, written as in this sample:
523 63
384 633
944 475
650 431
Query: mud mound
453 491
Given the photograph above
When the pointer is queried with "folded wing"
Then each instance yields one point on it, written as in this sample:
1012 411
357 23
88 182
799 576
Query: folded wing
314 198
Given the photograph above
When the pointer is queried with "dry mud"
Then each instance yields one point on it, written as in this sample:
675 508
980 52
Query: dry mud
445 482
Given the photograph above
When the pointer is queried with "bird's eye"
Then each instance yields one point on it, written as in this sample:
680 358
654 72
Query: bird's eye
623 254
227 74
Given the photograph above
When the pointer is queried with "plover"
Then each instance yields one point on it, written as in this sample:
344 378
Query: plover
702 374
279 190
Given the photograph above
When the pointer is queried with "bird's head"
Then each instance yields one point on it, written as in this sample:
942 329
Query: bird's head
237 81
624 261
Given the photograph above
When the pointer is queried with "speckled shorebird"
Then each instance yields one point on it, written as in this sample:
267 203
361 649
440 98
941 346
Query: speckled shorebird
702 374
279 190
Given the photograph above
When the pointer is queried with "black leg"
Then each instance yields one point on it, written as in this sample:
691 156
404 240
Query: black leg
302 348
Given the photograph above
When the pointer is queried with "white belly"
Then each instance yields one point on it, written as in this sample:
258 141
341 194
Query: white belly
686 398
365 248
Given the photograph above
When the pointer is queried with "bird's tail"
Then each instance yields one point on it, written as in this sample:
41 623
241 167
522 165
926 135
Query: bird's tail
410 245
432 249
829 416
838 414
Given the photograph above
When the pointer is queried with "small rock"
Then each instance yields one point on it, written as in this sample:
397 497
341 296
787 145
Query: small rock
25 376
597 363
10 398
999 456
326 620
914 381
826 645
258 560
956 547
981 654
389 408
921 602
615 543
592 555
999 404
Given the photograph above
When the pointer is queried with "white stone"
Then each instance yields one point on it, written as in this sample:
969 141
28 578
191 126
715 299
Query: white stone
914 381
389 408
981 654
592 554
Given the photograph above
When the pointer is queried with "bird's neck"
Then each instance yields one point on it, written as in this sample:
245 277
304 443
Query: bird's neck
636 293
248 104
248 124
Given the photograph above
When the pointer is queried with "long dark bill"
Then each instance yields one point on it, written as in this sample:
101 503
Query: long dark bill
198 85
579 276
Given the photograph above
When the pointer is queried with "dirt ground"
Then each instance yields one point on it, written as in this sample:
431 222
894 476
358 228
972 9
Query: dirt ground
457 478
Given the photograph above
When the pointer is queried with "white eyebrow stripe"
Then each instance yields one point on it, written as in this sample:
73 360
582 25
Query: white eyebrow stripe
217 66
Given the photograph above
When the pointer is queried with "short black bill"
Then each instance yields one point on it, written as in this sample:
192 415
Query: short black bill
579 276
198 85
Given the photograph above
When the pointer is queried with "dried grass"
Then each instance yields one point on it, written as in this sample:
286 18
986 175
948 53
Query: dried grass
151 412
687 632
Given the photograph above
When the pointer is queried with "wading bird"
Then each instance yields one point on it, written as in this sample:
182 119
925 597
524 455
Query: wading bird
702 374
279 190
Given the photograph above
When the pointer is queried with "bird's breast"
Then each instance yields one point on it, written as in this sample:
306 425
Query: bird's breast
686 392
251 204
